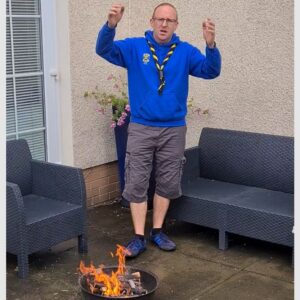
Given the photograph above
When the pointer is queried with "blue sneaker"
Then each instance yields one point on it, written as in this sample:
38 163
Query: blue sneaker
135 247
162 241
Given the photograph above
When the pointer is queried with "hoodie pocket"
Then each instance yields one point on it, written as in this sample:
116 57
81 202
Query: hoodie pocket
165 107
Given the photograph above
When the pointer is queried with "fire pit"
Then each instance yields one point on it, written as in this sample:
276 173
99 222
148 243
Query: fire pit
148 284
116 282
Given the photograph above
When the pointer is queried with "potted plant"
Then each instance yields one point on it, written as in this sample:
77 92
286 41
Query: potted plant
117 104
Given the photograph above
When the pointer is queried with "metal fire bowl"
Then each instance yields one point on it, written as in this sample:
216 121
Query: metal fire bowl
148 279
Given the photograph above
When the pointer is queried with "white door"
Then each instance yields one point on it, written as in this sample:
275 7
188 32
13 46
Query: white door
32 110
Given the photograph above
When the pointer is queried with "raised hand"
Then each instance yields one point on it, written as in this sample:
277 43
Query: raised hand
115 14
208 27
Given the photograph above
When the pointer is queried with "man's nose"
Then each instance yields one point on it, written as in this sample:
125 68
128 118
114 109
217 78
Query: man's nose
165 22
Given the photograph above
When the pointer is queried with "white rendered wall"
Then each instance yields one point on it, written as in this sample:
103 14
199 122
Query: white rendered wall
253 93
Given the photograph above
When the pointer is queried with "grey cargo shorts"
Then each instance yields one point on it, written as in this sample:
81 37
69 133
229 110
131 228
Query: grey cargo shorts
163 144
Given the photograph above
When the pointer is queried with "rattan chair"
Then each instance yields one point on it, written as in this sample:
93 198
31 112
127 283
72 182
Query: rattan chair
45 204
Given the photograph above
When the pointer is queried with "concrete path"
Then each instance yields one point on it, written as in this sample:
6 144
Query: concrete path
197 270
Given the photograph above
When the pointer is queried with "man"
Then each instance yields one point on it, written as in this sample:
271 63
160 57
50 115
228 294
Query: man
158 67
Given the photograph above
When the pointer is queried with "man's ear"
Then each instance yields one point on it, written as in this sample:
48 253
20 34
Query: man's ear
151 23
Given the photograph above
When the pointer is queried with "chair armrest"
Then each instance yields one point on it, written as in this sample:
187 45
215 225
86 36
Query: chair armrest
58 182
191 167
15 212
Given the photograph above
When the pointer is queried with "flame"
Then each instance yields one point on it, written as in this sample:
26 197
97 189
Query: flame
112 284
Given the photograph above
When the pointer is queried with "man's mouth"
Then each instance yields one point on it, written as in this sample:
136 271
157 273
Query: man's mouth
162 31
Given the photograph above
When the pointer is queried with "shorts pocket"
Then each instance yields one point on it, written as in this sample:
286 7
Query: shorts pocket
127 168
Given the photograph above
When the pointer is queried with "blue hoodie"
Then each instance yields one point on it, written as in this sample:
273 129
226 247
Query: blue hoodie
147 106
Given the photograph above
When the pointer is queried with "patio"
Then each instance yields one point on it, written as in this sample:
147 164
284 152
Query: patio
249 269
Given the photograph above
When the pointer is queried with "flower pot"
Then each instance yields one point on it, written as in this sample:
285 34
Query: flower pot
121 143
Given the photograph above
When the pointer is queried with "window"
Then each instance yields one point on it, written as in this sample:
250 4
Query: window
25 100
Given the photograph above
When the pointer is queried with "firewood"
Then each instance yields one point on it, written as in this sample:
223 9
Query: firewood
131 283
136 274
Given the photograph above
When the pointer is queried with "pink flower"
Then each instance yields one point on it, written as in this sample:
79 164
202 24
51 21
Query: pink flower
124 115
113 125
120 121
127 107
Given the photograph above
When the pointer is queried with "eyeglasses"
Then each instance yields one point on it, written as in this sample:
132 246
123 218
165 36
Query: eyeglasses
161 21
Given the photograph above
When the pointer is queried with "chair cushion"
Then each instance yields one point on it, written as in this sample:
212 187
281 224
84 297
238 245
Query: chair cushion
38 208
259 199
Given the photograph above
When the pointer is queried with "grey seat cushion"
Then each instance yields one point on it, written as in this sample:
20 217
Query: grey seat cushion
38 208
259 199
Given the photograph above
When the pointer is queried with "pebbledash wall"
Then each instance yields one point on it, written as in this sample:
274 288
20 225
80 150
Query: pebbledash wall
253 93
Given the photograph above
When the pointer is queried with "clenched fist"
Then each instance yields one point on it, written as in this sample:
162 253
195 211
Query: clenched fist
209 33
115 14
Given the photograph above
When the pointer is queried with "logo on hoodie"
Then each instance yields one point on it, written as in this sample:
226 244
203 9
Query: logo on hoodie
146 58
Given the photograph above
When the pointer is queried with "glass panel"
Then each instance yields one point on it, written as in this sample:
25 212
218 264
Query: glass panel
27 46
7 7
11 137
25 7
8 49
27 90
30 107
36 142
10 107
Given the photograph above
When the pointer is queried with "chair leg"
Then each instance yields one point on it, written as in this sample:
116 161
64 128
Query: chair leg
82 243
23 266
223 240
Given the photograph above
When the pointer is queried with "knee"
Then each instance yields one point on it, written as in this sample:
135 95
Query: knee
136 193
168 182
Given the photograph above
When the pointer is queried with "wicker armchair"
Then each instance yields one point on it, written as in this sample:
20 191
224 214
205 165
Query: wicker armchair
45 204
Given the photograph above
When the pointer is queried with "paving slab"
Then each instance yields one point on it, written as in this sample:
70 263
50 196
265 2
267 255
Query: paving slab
249 286
182 276
249 269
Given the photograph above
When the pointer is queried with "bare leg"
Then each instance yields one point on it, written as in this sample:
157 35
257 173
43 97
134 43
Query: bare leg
160 208
138 214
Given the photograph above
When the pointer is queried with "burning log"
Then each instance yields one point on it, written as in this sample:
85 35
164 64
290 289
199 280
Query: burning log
120 282
136 274
136 287
131 283
130 286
